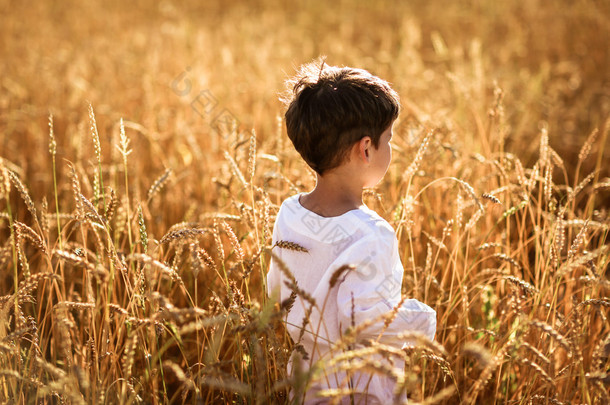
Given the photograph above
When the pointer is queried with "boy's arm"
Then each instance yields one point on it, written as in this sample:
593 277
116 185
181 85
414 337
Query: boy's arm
273 280
373 289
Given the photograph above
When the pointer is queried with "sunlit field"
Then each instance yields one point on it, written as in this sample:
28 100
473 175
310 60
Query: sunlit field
143 159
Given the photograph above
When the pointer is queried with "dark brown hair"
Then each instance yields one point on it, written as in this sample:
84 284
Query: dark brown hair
330 108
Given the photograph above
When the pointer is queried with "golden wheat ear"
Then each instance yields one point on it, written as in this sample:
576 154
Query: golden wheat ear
284 244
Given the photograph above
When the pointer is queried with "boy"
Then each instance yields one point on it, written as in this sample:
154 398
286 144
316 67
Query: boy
340 121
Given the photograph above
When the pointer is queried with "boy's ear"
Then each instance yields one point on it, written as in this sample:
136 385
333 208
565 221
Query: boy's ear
364 147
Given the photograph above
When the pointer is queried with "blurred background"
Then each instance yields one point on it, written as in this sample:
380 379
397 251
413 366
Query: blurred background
550 59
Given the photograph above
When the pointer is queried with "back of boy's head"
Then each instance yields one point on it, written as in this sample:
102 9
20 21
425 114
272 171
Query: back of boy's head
330 108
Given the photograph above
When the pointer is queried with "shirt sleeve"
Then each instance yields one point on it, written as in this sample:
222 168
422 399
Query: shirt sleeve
373 289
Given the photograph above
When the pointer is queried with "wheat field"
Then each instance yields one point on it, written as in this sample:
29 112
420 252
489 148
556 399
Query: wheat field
143 159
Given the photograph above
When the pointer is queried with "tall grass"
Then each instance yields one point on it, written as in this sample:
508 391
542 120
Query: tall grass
136 230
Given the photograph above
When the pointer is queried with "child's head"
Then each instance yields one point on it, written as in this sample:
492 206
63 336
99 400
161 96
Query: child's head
331 108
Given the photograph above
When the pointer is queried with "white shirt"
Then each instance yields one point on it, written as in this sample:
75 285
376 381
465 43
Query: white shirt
359 237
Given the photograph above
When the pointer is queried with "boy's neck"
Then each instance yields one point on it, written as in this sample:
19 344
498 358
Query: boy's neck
335 194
